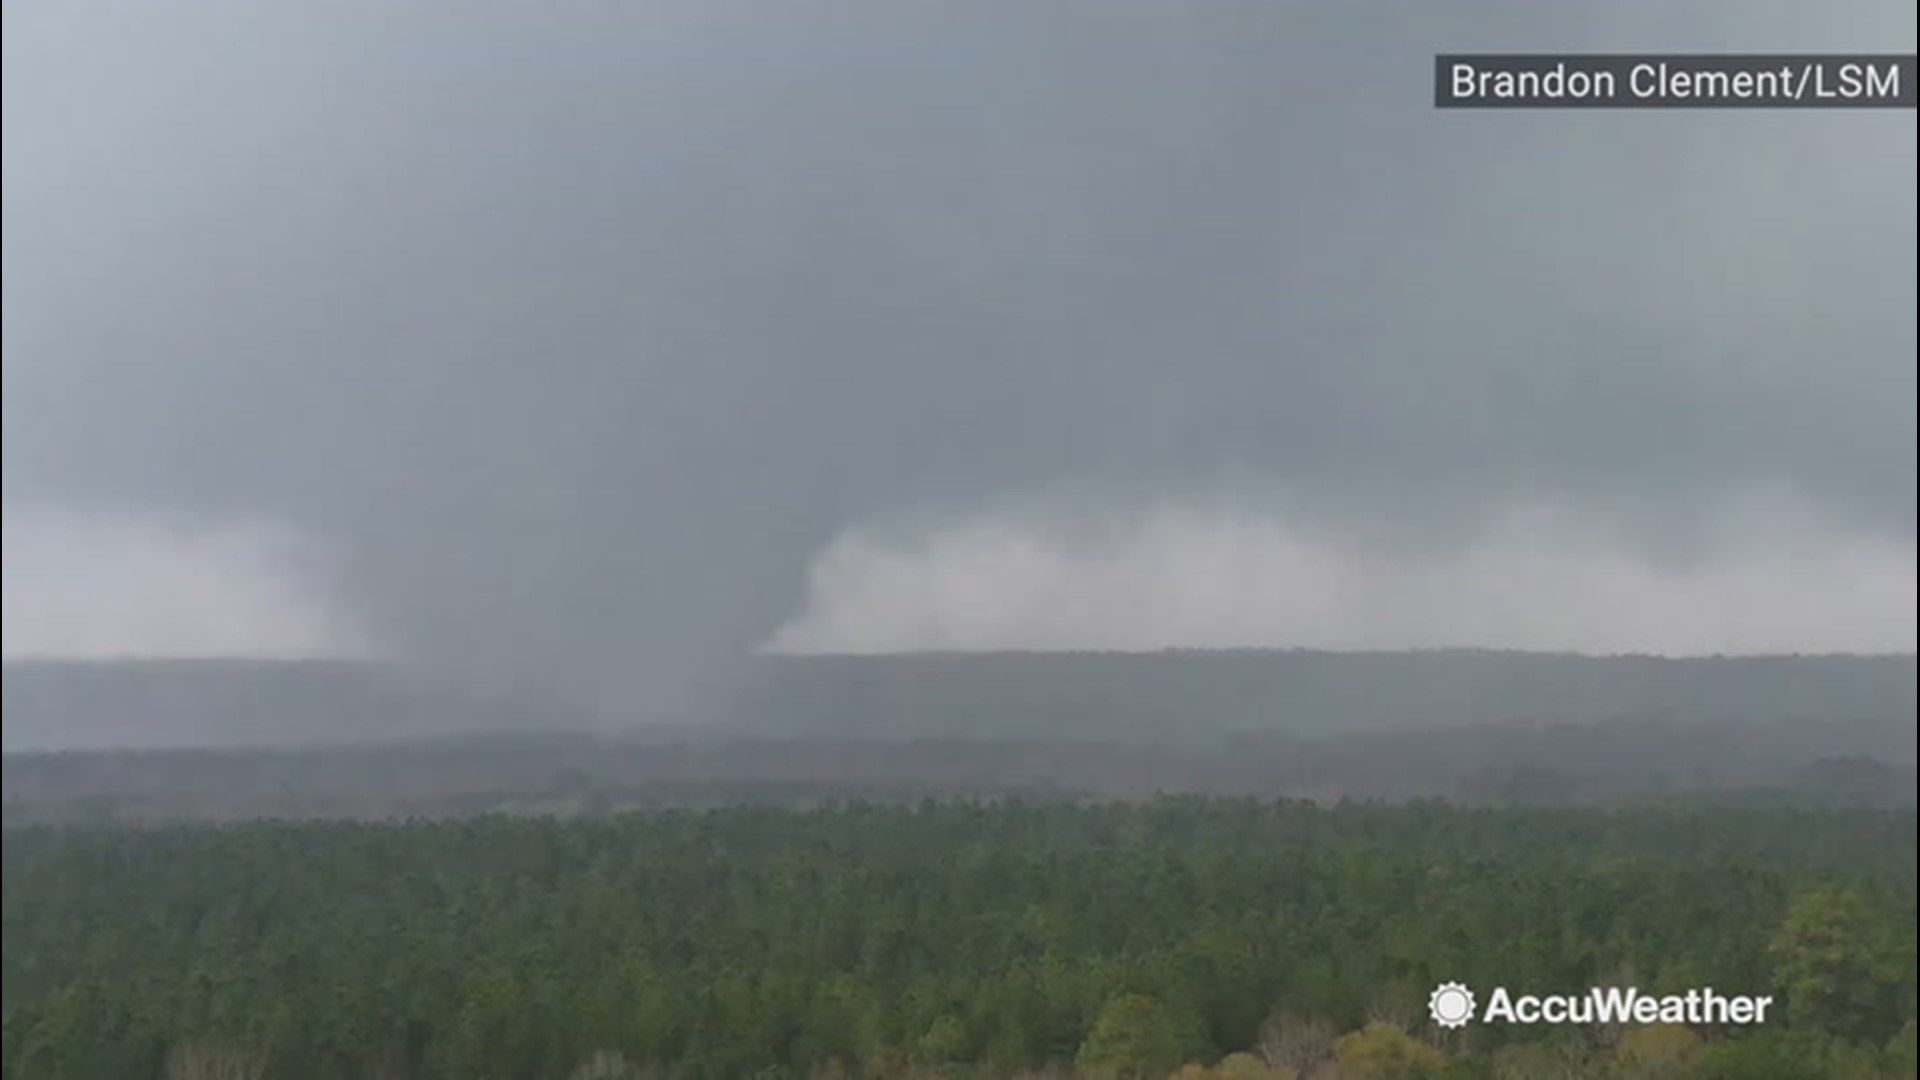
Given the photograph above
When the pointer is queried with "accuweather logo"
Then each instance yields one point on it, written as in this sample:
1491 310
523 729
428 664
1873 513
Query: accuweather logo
1452 1005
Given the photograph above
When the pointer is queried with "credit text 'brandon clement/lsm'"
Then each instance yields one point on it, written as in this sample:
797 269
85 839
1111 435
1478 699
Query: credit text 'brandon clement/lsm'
1653 81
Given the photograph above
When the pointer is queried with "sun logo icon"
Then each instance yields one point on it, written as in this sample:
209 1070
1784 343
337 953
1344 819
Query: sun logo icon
1451 1005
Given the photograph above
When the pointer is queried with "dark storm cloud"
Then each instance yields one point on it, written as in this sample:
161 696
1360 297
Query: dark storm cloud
579 329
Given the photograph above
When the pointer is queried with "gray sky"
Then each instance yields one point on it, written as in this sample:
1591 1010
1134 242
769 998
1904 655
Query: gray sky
587 340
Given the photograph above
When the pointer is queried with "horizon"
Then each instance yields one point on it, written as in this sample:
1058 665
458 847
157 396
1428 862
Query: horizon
1179 650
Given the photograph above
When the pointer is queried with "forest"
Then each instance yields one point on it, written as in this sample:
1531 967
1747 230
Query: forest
1193 937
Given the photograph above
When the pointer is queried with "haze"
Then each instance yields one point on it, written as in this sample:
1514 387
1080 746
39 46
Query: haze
600 345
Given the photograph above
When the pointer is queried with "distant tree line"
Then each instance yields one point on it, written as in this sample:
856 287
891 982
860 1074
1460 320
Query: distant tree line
1194 938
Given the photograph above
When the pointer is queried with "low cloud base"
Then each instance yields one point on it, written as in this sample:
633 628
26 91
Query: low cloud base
106 586
1762 576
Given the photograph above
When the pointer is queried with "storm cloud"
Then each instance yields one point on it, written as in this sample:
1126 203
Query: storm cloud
574 334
